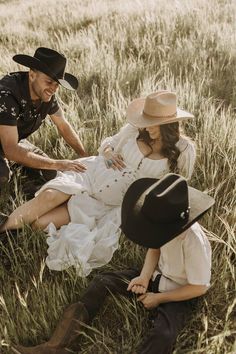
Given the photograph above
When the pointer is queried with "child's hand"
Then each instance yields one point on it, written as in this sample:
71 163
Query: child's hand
138 285
150 300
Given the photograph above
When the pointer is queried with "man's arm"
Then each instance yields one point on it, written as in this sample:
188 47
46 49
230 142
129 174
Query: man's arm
68 133
14 152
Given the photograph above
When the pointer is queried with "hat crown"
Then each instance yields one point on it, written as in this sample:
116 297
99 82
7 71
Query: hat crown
51 63
157 108
167 200
160 104
55 61
155 212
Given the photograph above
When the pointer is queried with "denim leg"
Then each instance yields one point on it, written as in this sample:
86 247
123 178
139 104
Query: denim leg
105 283
169 320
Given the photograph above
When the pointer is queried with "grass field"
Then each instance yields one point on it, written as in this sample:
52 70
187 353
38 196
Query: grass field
121 50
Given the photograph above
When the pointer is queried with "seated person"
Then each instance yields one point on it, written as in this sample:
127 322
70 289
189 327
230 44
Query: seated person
160 215
85 207
26 99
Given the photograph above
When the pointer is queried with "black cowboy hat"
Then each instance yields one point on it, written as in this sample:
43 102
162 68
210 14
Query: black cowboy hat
51 63
156 211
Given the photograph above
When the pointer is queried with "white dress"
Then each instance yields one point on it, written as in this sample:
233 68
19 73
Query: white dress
92 236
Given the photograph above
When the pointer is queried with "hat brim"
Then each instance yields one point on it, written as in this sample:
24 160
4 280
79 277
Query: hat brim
69 81
139 229
136 117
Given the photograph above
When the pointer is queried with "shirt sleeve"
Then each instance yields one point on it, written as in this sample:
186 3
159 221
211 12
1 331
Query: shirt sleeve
9 109
54 106
117 140
197 255
186 158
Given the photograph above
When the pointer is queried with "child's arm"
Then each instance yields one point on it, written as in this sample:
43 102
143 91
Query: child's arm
139 284
185 292
150 263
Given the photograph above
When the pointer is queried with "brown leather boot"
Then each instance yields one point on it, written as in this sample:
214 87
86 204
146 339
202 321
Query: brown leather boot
67 330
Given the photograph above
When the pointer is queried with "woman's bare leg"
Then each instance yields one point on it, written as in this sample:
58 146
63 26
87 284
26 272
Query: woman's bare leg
34 208
58 216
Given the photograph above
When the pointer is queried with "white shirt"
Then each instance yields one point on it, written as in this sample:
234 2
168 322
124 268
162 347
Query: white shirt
185 260
185 160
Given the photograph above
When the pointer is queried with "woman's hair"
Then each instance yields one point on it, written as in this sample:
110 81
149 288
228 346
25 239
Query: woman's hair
170 134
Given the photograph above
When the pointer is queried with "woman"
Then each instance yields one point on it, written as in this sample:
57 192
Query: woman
82 210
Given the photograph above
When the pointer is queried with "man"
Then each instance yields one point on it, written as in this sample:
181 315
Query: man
26 98
160 215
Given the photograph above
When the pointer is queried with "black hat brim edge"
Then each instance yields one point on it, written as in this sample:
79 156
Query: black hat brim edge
139 229
69 82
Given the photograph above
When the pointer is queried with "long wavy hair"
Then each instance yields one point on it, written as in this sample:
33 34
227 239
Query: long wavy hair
170 134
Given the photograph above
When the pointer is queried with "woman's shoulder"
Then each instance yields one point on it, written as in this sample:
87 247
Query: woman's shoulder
129 129
185 144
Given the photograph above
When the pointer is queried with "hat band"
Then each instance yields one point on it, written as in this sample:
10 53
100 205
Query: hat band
57 74
156 116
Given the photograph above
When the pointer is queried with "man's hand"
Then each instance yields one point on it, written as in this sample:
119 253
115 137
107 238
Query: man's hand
150 300
70 165
138 285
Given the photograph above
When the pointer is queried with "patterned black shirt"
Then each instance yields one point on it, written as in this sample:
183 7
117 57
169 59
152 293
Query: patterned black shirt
16 106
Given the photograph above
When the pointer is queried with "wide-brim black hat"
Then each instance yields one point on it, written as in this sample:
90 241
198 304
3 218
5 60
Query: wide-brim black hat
51 63
156 211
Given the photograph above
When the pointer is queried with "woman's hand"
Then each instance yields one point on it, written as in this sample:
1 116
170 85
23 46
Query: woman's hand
113 160
150 300
138 285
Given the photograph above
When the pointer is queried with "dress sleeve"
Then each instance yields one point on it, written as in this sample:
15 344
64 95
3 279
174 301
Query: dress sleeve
9 109
186 158
117 140
197 257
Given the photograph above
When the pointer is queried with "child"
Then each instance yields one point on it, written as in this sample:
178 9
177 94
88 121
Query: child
160 215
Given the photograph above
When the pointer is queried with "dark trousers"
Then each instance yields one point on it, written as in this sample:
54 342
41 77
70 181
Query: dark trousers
168 318
5 171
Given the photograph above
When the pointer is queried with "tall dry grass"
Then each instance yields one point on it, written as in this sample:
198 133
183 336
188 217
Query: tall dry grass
121 50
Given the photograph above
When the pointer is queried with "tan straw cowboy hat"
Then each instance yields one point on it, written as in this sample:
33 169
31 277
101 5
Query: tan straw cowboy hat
156 109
